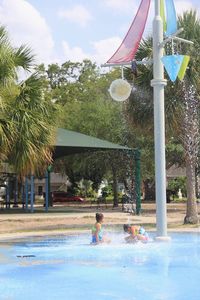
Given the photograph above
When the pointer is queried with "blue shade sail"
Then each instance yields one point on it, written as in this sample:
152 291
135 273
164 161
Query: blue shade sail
171 17
172 65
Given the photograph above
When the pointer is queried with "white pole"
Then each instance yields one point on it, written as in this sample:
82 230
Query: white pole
158 83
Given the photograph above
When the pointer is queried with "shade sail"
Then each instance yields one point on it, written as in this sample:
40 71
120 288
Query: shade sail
71 142
172 65
127 49
171 17
183 68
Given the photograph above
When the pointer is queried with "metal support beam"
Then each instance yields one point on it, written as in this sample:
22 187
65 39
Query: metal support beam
137 181
23 194
183 40
128 64
26 193
8 193
169 38
16 193
46 191
32 193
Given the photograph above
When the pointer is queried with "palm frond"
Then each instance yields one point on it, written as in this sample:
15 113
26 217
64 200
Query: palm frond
23 57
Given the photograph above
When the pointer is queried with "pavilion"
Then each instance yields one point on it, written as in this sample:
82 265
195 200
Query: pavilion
68 143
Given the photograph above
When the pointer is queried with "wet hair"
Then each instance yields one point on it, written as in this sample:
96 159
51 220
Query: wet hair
99 217
126 227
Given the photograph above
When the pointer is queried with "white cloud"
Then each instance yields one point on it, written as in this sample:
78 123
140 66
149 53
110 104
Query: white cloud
125 5
27 26
102 50
74 53
182 6
77 14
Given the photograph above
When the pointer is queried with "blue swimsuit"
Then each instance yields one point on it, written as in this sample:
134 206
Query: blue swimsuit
100 235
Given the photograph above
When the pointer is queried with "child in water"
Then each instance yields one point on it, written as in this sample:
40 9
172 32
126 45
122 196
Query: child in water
97 235
136 233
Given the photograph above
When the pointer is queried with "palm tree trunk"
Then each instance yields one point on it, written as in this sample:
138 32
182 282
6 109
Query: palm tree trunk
191 212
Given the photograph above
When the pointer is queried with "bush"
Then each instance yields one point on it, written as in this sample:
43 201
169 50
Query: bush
178 183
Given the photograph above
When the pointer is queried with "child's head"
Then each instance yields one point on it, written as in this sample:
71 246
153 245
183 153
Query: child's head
126 227
99 217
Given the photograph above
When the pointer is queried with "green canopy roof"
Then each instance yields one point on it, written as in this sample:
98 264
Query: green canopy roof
71 142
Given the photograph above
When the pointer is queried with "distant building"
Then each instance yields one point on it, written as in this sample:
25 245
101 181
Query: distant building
175 171
58 182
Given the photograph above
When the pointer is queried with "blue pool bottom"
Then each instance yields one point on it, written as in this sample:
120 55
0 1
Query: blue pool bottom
70 268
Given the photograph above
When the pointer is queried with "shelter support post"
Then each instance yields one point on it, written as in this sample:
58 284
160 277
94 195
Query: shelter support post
137 181
8 193
23 194
26 193
46 191
16 193
49 169
32 193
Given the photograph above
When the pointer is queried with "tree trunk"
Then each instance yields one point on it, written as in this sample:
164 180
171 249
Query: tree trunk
191 212
115 188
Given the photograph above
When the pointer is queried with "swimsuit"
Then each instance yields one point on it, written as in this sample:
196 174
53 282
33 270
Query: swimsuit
144 233
100 235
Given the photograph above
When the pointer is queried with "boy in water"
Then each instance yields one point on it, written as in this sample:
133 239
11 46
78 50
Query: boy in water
97 235
136 233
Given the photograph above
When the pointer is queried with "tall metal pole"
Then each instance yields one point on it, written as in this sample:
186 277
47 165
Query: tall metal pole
158 83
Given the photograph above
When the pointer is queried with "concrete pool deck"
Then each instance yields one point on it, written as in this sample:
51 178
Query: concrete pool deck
76 219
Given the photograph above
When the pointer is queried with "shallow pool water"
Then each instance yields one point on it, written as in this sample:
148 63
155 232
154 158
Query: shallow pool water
70 268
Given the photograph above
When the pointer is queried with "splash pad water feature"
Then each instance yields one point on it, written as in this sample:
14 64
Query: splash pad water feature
70 268
164 30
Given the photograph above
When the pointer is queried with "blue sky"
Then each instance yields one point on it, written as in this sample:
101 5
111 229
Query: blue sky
60 30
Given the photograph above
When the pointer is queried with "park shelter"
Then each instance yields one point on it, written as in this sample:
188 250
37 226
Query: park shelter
69 142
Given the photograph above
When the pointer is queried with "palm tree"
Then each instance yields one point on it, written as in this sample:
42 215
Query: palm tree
33 117
11 60
179 104
26 115
190 122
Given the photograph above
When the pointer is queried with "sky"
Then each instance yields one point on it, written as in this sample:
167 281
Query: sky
62 30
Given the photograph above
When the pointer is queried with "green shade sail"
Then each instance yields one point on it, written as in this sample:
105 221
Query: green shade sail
71 142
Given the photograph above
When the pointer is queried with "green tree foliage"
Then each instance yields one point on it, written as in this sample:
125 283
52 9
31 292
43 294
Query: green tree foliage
82 93
178 183
33 117
26 117
181 105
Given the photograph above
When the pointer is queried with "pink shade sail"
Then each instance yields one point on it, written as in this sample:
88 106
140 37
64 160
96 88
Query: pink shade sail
130 44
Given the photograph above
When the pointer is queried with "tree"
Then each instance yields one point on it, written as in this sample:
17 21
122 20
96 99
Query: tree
26 117
181 105
87 107
34 119
11 60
